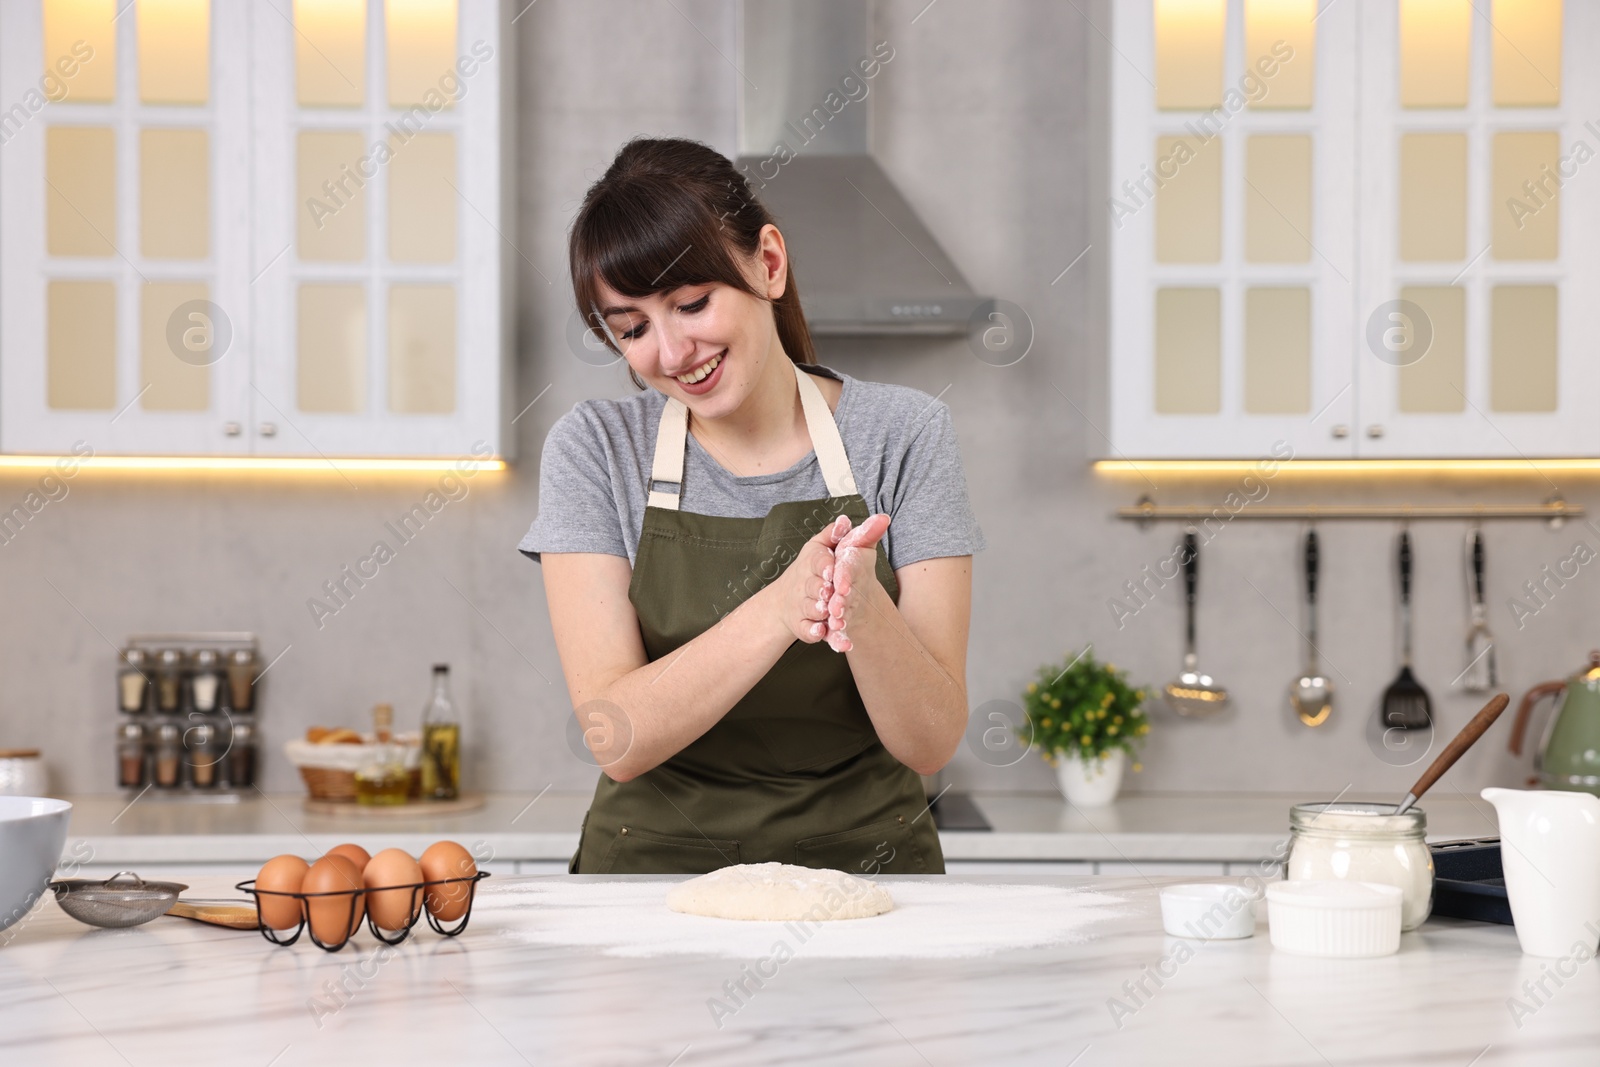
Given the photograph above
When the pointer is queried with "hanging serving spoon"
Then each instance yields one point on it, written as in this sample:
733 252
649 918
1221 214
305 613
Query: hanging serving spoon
1193 694
1311 695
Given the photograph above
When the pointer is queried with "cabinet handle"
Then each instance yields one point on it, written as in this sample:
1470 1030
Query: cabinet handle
232 429
1341 431
269 429
1375 430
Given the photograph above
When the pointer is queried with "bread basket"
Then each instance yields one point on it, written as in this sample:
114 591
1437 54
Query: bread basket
329 771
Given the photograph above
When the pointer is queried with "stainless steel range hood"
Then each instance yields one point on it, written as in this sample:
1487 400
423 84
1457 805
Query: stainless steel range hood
864 262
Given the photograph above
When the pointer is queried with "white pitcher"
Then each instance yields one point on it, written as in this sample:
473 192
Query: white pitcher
1550 849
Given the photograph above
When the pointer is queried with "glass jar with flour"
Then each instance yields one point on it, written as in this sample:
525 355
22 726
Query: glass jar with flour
1361 842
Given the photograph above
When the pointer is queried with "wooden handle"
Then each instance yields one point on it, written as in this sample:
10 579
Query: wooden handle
240 916
1461 742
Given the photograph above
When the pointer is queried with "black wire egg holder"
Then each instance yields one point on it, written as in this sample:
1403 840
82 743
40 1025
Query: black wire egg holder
393 937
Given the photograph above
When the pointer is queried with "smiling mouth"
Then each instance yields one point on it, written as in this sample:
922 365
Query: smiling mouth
703 371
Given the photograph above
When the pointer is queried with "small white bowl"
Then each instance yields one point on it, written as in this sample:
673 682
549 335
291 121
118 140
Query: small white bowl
1332 918
1208 911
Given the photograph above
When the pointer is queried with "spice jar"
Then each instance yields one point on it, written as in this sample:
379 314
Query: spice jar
130 755
169 679
1365 843
242 667
242 754
168 755
133 681
205 685
22 773
204 754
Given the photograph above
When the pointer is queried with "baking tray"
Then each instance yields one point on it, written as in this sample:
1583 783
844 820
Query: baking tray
1468 881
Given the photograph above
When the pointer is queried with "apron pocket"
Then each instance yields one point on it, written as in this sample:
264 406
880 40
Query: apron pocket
885 847
636 851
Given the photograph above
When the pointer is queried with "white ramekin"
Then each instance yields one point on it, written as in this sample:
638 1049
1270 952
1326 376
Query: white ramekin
1328 917
1210 911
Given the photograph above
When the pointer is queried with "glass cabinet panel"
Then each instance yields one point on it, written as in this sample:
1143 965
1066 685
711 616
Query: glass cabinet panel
1433 196
174 51
1278 199
331 205
1523 347
1277 351
331 360
93 22
1270 27
1435 52
422 52
330 52
1189 53
423 201
422 349
1438 381
1527 53
81 179
81 345
1189 203
174 193
171 378
1188 343
1526 207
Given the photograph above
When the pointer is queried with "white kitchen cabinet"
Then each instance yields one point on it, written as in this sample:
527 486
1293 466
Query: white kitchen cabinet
255 229
1272 167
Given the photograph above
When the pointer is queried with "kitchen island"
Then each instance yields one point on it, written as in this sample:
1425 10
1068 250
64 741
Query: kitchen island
175 993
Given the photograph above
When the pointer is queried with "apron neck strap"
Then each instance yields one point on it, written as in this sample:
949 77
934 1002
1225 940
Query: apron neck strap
673 433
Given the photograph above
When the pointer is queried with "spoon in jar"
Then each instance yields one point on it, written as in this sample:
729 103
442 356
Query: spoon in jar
1453 751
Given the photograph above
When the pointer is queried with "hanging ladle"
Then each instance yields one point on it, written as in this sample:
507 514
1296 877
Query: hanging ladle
1311 695
1193 694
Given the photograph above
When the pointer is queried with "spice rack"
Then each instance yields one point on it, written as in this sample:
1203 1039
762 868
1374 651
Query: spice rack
187 705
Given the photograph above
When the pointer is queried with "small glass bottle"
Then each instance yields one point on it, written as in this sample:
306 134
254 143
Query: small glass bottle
242 754
441 741
205 685
130 755
168 755
242 670
204 754
133 681
169 679
383 780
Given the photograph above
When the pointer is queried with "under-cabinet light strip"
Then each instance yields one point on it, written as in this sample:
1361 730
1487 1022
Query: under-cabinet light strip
297 464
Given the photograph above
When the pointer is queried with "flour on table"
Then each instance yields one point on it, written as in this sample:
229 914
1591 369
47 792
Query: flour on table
932 919
779 892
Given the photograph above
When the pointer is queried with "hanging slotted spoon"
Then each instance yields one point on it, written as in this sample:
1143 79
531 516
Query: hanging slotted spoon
1480 675
1193 694
1311 695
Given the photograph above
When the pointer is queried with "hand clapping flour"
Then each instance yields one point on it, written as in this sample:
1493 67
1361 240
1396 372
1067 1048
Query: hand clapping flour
931 919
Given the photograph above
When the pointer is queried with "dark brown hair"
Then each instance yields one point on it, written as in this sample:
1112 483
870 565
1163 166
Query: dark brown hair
672 212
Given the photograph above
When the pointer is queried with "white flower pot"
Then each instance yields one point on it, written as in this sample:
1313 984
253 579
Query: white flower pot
1091 784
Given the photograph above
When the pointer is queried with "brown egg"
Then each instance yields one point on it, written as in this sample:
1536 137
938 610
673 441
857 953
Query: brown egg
330 915
392 909
354 853
446 859
281 874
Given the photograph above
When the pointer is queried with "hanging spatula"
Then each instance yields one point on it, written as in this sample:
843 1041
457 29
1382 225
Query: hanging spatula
1405 703
1480 675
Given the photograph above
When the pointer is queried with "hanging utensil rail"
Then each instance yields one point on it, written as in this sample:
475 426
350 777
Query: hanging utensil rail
1555 511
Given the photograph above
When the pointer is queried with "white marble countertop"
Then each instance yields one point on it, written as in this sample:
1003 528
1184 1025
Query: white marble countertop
108 831
176 993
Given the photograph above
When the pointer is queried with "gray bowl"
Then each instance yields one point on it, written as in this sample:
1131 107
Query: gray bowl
33 831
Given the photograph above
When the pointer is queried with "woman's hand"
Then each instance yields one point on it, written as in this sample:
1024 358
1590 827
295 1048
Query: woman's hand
855 563
799 597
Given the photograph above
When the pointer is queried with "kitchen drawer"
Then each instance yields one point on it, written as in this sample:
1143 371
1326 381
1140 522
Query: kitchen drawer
1018 867
1163 868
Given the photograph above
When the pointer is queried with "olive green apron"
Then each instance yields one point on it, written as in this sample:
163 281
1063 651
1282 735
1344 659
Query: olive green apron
794 772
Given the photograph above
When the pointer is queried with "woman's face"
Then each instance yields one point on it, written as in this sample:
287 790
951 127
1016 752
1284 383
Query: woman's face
704 344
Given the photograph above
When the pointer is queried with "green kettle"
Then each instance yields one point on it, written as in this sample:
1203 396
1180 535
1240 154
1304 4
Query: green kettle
1569 756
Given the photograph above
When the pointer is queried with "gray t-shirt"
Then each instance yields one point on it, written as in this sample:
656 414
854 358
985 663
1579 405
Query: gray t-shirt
594 472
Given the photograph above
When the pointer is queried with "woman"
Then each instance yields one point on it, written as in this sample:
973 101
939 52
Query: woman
761 660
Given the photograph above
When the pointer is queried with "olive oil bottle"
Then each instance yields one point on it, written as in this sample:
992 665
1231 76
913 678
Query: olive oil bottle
441 741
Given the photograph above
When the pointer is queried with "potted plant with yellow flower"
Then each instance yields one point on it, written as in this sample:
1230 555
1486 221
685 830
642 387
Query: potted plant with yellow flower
1087 721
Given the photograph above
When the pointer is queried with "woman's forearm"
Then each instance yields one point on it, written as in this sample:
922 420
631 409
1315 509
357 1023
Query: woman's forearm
918 708
663 706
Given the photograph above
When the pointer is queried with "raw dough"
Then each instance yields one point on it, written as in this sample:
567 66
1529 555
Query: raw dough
779 892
